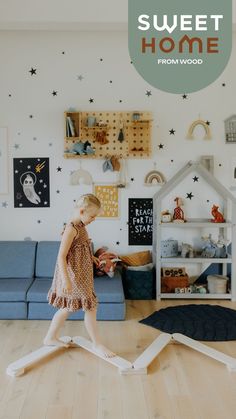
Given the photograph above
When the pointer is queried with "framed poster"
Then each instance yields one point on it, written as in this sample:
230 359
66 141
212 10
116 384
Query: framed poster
31 182
109 197
4 175
140 221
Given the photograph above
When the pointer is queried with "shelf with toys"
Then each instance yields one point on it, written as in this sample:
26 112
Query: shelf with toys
205 251
96 134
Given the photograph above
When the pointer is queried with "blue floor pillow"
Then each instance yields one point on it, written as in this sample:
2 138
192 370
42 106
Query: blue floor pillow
198 321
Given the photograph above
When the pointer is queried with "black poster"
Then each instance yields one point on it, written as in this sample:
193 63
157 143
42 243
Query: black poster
31 182
140 221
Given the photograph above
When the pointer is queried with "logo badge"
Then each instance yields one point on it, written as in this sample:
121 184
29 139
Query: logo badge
180 46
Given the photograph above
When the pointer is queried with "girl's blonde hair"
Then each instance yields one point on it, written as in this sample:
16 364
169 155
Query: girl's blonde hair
88 200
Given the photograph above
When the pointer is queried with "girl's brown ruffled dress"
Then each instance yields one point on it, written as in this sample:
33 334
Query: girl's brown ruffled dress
80 271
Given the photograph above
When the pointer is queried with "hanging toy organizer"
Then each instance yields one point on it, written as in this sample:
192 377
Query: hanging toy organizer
113 133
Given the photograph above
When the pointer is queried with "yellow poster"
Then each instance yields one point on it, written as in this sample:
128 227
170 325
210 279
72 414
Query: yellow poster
109 197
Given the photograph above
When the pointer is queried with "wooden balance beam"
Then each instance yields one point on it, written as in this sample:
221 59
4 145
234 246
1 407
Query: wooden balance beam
139 366
18 368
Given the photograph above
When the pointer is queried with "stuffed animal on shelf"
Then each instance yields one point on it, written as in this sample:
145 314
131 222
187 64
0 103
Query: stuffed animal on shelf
187 251
105 262
213 249
218 217
82 148
178 216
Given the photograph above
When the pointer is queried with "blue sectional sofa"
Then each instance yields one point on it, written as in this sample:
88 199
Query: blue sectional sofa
26 270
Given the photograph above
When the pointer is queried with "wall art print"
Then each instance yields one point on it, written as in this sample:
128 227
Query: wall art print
140 221
31 182
109 197
3 161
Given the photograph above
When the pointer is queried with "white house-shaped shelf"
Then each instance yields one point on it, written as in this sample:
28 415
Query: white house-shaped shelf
230 129
228 200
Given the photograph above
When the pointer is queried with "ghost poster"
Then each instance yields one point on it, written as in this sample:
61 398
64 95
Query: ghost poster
31 182
140 221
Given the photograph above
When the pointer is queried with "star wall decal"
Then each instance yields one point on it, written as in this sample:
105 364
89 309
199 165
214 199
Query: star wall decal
185 96
223 84
101 59
120 100
54 93
117 243
132 179
91 100
161 146
9 95
4 204
189 195
31 116
59 169
34 138
110 81
57 191
172 131
33 71
208 123
148 93
172 161
195 178
63 52
39 221
16 146
80 77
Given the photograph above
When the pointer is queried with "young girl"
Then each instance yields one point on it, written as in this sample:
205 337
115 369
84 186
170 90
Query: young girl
72 286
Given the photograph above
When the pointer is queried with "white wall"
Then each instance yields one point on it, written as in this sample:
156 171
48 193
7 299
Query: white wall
21 50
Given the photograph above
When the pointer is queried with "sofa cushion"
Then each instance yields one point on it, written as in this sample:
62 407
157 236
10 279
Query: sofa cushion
14 289
17 259
46 257
108 290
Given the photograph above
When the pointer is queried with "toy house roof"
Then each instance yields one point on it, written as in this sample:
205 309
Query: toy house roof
230 118
201 170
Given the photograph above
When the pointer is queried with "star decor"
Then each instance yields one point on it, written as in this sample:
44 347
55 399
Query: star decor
208 123
63 52
148 93
9 95
110 81
117 243
4 204
172 161
91 100
120 100
189 195
223 84
16 146
132 179
54 93
101 59
59 169
39 221
80 77
195 179
31 116
33 71
172 131
185 96
161 146
57 191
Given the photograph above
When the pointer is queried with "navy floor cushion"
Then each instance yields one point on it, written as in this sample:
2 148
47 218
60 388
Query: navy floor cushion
198 321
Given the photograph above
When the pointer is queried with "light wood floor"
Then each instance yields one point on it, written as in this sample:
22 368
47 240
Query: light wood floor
181 383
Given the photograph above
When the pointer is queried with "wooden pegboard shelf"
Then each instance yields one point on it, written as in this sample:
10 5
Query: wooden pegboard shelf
136 134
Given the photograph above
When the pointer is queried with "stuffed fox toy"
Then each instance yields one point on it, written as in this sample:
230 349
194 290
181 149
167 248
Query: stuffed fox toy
105 262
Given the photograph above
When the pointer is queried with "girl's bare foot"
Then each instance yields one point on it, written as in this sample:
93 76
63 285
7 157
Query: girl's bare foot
55 342
102 350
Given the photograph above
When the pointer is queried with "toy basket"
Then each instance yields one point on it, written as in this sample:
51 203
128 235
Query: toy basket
217 284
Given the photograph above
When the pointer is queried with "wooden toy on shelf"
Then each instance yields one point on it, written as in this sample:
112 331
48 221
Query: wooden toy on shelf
218 217
178 216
